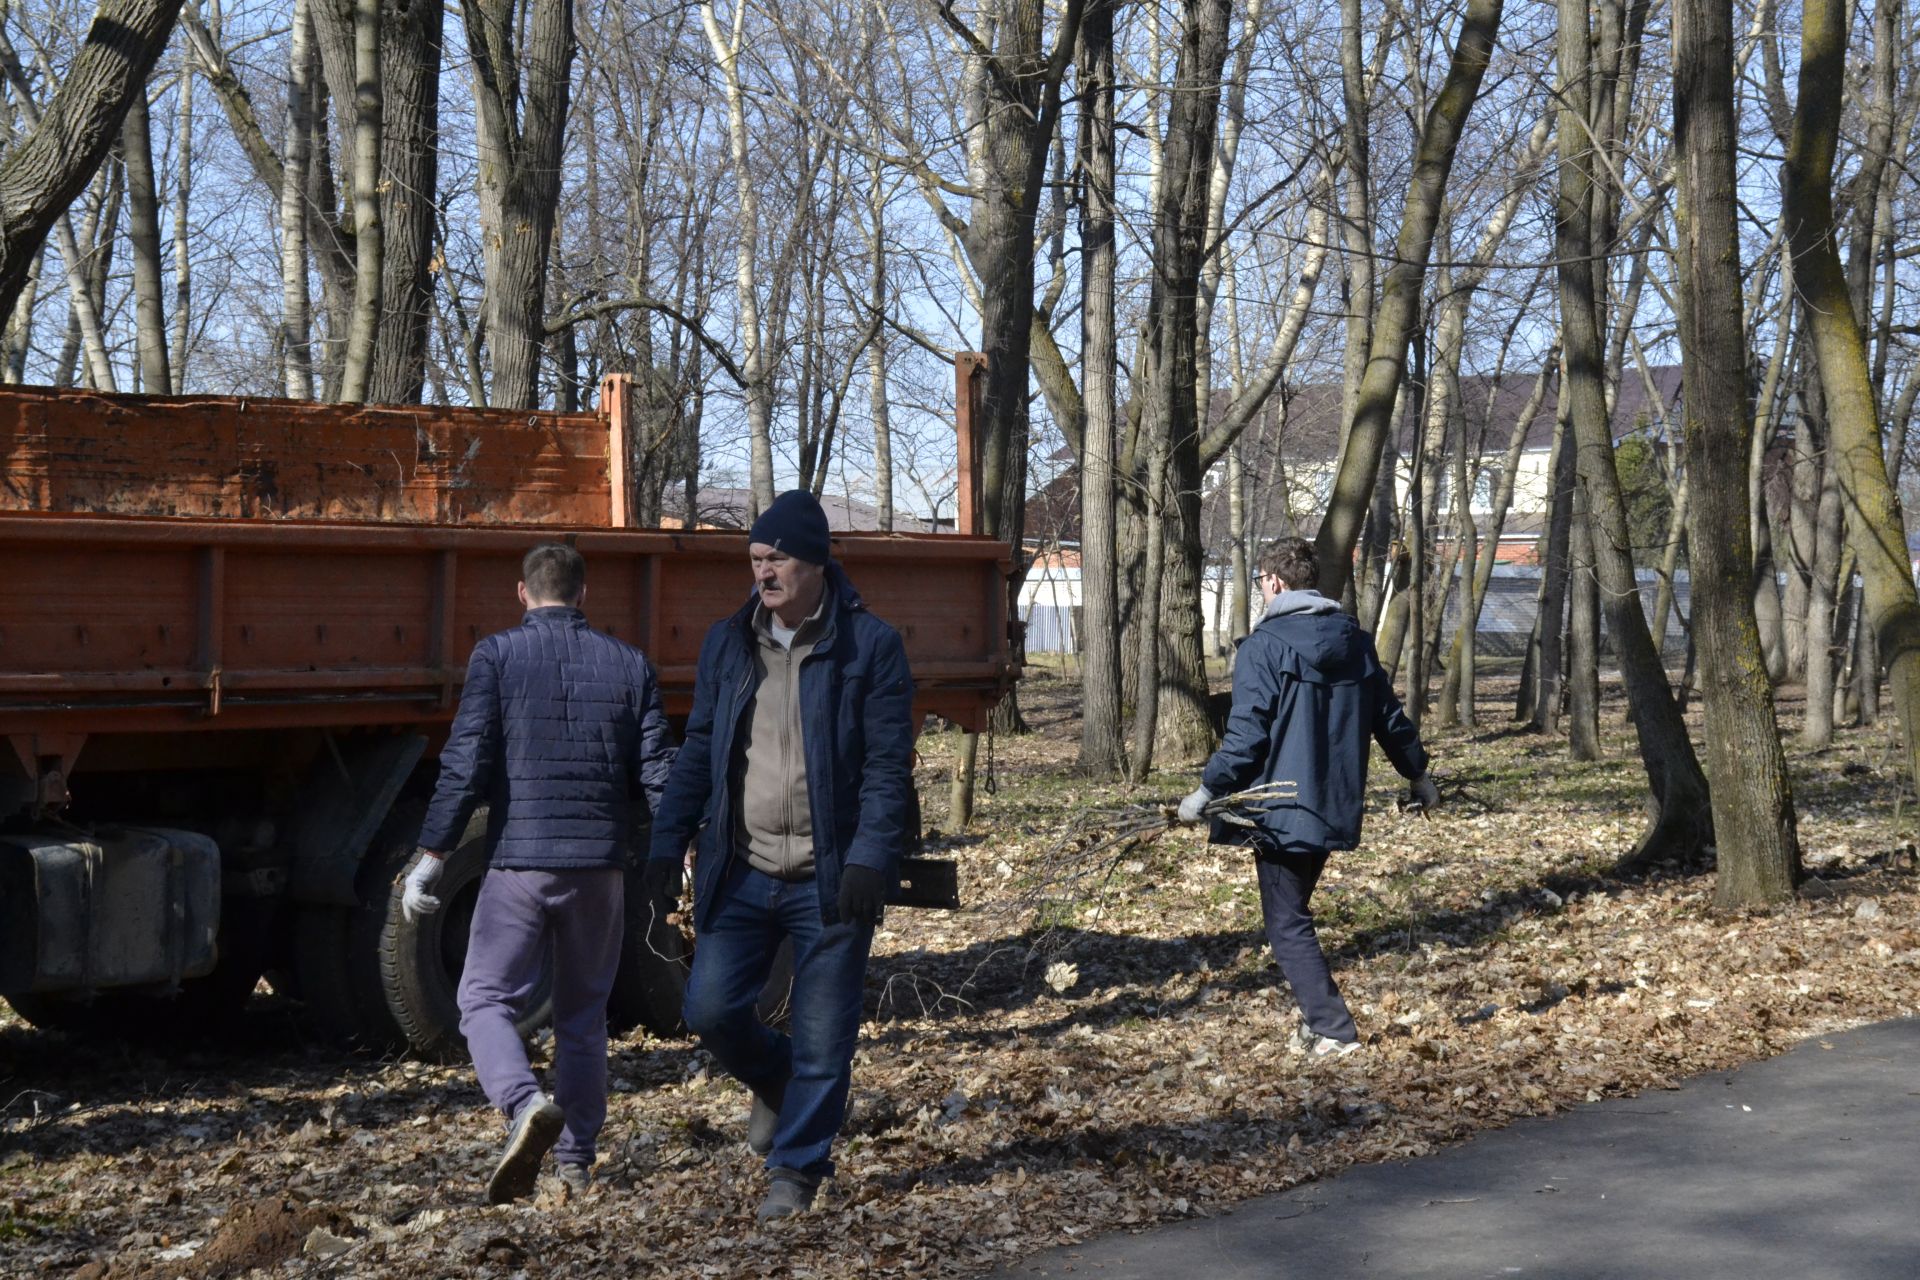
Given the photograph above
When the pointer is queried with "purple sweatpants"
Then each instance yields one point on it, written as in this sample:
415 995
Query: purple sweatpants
582 913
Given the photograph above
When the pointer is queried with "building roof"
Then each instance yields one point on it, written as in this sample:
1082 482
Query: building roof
721 508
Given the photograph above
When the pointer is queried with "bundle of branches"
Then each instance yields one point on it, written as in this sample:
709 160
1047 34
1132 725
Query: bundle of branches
1083 857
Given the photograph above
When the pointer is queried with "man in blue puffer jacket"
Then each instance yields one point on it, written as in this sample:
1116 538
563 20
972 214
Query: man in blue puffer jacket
796 772
559 726
1308 694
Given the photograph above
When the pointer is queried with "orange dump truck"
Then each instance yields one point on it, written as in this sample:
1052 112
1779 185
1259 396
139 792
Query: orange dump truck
232 636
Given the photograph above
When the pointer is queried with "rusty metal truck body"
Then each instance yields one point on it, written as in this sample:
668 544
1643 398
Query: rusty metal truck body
232 635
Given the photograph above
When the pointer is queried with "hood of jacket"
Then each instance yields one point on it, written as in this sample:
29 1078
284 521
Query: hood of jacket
1321 636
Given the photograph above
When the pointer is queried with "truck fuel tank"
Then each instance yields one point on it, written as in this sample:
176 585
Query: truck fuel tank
120 906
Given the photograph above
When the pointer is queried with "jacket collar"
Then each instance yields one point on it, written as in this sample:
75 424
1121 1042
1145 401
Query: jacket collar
841 597
556 615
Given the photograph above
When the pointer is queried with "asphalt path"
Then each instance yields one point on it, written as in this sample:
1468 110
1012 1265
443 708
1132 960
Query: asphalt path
1803 1166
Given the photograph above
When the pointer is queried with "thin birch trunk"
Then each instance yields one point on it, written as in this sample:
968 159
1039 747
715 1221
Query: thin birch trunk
143 243
183 242
368 235
296 305
726 46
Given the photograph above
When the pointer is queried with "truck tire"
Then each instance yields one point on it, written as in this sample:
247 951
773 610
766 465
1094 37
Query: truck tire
650 987
420 962
380 984
340 989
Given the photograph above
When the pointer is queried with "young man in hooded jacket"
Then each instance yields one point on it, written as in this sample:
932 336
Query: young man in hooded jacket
796 773
1308 693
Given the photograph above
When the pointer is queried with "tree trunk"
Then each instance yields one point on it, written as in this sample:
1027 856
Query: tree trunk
521 69
1370 424
143 244
411 58
1148 706
1240 611
1583 633
1753 815
183 244
1179 252
1803 544
877 348
1546 647
1102 743
1682 824
356 376
1872 505
1766 589
41 175
296 305
1816 730
1670 563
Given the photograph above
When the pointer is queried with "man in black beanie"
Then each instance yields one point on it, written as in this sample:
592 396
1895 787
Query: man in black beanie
796 774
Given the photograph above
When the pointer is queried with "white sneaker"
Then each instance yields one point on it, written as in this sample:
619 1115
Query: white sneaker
1315 1045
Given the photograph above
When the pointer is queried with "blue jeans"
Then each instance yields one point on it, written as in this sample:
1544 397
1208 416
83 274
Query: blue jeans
1286 882
582 912
811 1069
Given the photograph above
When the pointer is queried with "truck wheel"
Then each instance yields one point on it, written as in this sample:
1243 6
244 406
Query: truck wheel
340 989
650 986
420 963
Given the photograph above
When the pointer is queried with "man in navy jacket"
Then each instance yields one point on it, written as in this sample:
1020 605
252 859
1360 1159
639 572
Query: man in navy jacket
796 774
559 725
1308 694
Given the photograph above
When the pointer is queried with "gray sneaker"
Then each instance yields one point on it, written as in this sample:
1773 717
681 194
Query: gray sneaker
1315 1045
533 1132
789 1194
577 1177
762 1124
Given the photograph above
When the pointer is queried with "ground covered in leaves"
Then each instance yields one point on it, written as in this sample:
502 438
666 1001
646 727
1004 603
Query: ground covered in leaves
1095 1043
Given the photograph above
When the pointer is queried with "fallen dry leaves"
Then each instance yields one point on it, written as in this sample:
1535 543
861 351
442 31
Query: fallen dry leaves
1048 1064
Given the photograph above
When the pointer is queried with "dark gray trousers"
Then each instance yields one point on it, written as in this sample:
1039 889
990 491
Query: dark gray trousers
1286 882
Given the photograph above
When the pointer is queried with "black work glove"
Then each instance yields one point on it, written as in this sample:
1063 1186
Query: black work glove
863 892
661 878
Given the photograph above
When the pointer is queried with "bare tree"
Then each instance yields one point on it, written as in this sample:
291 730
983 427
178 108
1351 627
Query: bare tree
1872 506
1753 816
1682 819
1365 438
522 72
46 170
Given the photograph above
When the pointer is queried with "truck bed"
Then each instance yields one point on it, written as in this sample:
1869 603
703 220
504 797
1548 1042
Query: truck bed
203 563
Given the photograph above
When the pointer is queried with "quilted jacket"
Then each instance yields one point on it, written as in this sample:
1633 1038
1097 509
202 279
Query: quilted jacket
559 727
1308 693
856 704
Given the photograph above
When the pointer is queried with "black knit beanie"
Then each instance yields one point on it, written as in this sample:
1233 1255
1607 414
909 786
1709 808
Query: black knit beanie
795 524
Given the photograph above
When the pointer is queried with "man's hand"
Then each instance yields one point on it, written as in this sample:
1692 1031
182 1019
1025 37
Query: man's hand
417 903
661 879
1194 807
863 892
1426 796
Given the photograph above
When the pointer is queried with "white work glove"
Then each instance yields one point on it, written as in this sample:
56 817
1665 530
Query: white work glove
1193 808
1426 796
417 903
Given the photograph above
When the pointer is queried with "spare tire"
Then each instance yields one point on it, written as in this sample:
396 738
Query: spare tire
650 985
419 963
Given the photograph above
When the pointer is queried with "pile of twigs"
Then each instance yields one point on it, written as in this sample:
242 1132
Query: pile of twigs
1087 851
